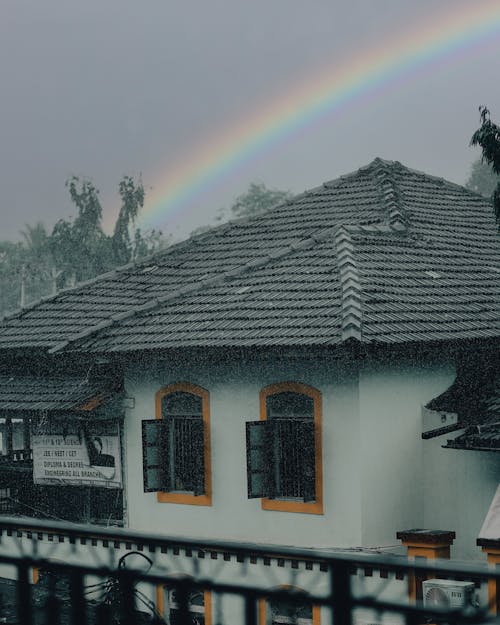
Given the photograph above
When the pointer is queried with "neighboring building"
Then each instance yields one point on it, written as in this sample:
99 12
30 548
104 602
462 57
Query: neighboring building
296 349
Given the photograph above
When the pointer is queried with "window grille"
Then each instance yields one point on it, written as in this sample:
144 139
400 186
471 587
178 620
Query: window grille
281 449
283 613
174 446
195 607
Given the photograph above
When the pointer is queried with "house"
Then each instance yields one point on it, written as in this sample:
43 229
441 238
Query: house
267 381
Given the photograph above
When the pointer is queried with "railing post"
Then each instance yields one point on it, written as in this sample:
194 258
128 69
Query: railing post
78 607
24 605
127 598
182 598
341 598
251 611
52 605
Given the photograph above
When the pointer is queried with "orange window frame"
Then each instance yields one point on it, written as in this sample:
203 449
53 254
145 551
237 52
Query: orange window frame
262 607
207 603
281 505
187 498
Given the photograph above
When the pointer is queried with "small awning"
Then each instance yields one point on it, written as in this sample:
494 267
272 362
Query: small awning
477 438
474 397
30 393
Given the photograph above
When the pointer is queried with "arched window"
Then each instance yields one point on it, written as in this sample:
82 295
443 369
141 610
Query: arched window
283 612
199 605
176 446
284 465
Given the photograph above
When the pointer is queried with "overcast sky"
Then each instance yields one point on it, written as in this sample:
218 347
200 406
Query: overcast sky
104 88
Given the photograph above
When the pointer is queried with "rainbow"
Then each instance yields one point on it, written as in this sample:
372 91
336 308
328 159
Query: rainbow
443 37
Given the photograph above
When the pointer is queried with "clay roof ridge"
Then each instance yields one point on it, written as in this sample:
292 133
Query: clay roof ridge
192 287
350 280
390 196
350 283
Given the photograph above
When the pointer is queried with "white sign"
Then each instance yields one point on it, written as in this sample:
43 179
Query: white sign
78 454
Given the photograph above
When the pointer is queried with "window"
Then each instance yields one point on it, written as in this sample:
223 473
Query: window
176 446
282 612
199 607
15 442
284 449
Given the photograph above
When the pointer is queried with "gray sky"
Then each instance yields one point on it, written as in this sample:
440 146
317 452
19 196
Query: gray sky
106 88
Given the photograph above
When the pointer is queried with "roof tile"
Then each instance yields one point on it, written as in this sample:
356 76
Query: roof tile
385 254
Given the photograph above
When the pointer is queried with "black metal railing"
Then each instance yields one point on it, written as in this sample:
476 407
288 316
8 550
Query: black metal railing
129 589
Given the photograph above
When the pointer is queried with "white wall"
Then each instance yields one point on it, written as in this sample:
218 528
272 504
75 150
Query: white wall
234 386
459 487
392 391
379 475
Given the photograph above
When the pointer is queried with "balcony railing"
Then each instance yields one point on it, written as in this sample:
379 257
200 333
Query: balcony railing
119 577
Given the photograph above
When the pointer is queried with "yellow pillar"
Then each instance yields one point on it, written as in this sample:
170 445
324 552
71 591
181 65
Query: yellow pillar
428 544
492 550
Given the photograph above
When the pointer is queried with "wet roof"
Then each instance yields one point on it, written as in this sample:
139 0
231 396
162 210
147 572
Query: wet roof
26 393
383 255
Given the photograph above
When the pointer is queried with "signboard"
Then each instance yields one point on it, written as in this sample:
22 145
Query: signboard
77 454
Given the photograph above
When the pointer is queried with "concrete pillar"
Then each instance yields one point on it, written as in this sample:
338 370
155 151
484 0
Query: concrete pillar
492 550
428 544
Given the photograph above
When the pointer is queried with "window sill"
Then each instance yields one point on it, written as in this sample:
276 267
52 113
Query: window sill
281 505
185 498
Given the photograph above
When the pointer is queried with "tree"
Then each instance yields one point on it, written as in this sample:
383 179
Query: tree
79 247
482 179
257 199
76 249
82 250
11 264
38 272
132 196
487 137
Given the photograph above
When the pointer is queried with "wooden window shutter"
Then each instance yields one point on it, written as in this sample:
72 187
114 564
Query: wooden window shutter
308 444
259 458
198 456
155 455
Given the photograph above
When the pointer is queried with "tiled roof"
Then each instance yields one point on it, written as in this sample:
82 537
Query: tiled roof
477 438
474 397
385 254
62 393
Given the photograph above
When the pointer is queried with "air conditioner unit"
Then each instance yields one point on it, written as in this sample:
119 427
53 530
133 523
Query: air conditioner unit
447 594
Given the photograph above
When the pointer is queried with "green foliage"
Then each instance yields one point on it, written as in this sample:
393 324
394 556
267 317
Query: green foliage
76 249
487 137
79 247
132 196
257 199
11 267
482 179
